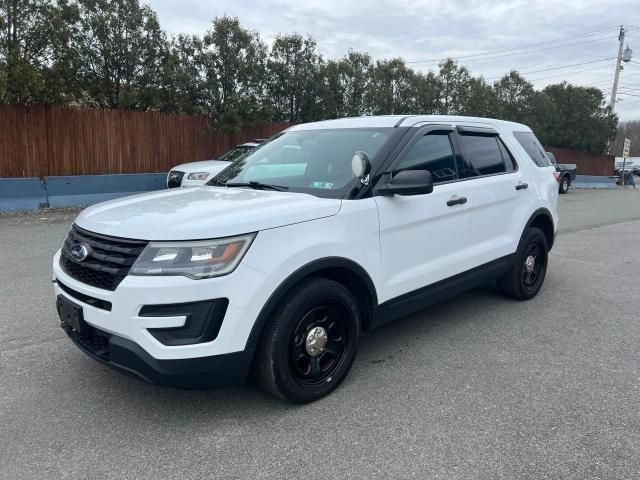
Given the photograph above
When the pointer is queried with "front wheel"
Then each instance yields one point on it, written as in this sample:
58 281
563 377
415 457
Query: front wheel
526 277
310 342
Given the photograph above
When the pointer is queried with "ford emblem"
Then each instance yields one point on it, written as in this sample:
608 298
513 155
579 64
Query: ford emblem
79 252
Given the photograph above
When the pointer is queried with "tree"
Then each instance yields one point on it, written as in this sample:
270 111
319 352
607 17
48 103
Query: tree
113 54
232 65
293 79
580 118
454 84
118 46
427 93
481 99
514 98
32 33
346 82
392 89
180 89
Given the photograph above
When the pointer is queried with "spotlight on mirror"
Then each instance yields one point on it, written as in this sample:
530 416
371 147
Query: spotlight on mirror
360 165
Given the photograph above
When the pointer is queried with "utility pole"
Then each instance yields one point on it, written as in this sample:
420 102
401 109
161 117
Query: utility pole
614 92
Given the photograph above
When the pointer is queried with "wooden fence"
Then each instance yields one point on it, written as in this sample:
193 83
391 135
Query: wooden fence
44 140
587 163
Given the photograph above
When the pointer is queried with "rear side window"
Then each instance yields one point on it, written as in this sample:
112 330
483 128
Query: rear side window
533 148
431 152
507 157
483 156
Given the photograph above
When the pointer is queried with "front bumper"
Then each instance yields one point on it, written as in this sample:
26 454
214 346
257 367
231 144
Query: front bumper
192 373
246 289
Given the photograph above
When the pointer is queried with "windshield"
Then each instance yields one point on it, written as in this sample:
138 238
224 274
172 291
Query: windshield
310 161
234 153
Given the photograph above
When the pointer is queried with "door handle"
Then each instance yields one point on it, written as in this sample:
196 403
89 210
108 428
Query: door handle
456 201
522 186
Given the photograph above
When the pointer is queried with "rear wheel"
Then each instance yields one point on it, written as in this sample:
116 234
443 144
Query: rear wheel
310 343
564 184
526 277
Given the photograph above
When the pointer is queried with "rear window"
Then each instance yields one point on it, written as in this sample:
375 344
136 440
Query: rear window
533 148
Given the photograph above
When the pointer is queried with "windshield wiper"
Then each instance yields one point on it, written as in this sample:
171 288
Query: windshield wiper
258 186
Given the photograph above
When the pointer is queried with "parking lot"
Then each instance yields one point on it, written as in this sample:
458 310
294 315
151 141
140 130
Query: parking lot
478 387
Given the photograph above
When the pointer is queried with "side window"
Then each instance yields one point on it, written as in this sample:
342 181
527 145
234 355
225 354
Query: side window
482 156
533 148
431 152
507 157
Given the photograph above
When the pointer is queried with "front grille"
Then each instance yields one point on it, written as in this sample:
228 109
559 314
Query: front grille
175 178
108 262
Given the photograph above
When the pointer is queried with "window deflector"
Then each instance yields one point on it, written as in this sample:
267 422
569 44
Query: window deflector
477 131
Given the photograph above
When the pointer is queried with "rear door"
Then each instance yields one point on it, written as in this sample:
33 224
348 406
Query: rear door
424 238
497 190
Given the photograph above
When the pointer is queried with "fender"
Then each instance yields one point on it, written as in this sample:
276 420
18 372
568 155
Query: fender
303 272
543 220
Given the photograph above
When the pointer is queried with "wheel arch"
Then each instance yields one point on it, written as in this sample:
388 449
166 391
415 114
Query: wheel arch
342 270
542 220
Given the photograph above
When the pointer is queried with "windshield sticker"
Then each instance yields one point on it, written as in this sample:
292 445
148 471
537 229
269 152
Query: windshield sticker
325 185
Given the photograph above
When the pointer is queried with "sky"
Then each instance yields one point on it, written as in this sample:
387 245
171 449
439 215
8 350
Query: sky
547 41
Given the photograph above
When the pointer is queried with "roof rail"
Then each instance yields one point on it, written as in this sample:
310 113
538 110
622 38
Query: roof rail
399 122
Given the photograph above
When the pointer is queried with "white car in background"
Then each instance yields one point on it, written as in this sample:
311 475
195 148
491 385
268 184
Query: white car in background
198 173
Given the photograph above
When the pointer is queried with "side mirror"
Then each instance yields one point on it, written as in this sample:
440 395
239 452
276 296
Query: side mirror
406 182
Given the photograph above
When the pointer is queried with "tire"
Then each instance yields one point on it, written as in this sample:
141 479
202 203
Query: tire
288 364
564 184
524 280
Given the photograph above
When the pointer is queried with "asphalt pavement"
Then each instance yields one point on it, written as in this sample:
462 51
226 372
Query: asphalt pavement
477 387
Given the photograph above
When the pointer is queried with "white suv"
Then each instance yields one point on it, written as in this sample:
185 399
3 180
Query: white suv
285 258
194 174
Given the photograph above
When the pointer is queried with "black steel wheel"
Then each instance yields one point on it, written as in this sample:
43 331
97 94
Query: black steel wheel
564 184
310 343
319 344
525 278
534 265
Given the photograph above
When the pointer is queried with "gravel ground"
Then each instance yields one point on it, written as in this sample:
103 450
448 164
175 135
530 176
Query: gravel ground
478 387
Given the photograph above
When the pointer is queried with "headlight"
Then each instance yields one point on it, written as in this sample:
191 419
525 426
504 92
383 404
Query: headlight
198 176
200 259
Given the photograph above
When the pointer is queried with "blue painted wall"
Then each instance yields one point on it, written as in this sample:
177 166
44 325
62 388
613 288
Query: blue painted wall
21 194
18 194
89 189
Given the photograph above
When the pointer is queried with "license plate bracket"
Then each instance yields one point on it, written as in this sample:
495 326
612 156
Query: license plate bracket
70 314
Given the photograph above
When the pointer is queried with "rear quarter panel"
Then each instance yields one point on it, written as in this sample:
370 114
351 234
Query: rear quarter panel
541 180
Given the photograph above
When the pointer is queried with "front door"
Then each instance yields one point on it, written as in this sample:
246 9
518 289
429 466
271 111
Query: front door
424 238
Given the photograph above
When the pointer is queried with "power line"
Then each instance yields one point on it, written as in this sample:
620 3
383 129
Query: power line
513 50
625 76
560 67
527 45
510 54
568 73
630 94
624 104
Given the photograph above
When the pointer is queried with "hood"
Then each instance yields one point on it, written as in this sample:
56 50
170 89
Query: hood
202 213
204 166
